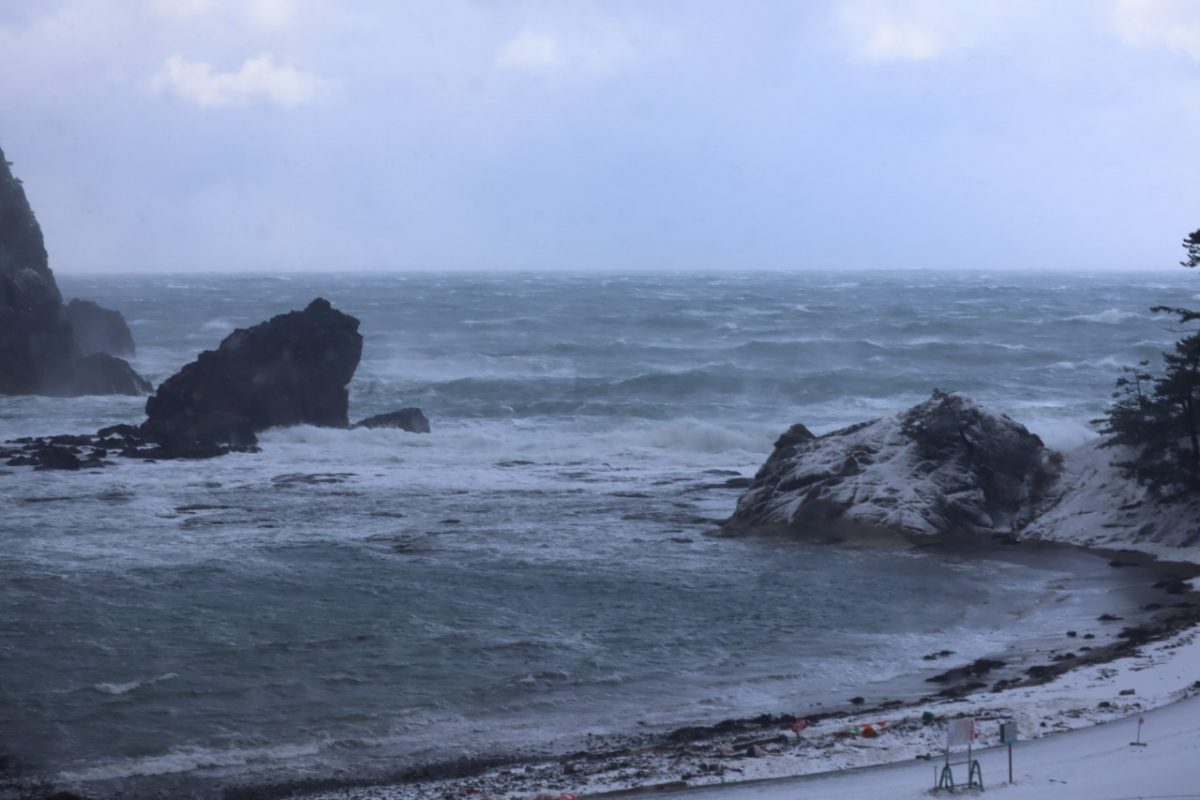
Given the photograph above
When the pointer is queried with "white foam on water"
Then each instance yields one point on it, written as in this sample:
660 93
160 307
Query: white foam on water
1062 434
129 686
1111 316
697 436
187 759
1106 363
486 442
219 324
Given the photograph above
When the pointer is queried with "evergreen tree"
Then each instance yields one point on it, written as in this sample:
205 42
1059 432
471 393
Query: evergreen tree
1192 245
1158 417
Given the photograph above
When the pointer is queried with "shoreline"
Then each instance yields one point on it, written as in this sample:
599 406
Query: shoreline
711 754
735 751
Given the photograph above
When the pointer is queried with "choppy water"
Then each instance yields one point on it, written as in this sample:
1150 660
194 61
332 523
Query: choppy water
537 568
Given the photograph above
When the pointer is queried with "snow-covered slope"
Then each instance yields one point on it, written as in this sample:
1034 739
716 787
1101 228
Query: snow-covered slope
946 466
1093 504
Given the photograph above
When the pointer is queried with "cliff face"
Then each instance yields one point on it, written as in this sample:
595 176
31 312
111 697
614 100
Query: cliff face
38 351
21 243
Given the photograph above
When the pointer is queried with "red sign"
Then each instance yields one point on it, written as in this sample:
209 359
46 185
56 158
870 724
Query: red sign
799 725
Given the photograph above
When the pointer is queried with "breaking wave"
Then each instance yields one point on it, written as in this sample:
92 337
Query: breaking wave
1112 316
129 686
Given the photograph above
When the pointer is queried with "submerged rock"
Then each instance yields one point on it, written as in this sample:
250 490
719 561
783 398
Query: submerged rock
412 420
946 466
290 370
38 349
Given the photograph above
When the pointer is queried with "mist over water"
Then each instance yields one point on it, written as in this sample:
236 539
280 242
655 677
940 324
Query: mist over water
538 567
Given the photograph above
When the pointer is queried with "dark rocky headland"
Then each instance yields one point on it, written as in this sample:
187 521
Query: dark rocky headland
45 347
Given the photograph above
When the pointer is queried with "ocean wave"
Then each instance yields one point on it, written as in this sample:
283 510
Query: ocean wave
719 378
1111 316
504 322
1107 362
1061 434
129 686
188 759
543 677
695 436
218 324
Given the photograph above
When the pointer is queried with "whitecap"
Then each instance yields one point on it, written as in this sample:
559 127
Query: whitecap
187 759
129 686
1111 316
692 435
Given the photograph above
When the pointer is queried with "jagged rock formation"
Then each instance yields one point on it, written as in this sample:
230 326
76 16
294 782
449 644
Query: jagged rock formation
943 467
290 370
412 420
38 351
31 331
99 330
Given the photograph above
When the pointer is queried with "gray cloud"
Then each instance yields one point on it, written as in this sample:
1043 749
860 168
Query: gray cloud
301 134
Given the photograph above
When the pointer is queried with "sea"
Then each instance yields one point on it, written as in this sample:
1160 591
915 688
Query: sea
546 566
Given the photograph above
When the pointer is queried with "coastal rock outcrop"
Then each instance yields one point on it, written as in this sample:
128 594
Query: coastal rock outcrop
96 373
943 467
292 369
412 420
38 349
98 329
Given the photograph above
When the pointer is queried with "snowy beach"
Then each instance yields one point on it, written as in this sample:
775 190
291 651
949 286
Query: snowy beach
1076 734
1077 739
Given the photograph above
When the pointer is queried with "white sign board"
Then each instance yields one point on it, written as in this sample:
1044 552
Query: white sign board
960 732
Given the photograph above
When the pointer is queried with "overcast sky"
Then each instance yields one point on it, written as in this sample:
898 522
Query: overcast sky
256 135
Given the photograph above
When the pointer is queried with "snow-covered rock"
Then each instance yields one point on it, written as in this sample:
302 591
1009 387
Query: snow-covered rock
946 466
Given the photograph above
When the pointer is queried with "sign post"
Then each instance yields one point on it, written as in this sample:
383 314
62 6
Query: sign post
961 732
1008 736
1139 742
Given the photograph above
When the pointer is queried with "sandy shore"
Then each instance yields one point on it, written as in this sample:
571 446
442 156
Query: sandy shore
1089 678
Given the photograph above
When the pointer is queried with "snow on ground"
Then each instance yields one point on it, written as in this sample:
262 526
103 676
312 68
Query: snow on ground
1097 763
1093 761
1162 675
1096 506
